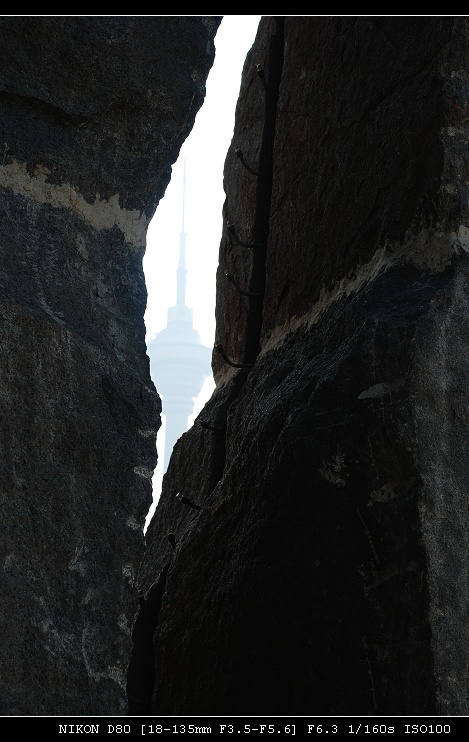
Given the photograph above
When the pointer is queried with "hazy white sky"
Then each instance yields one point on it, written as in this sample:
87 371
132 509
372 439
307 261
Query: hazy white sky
204 151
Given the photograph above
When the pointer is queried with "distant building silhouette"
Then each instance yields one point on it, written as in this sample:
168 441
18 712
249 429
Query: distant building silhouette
179 361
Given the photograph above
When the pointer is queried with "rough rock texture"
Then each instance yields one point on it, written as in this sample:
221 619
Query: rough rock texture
94 110
325 571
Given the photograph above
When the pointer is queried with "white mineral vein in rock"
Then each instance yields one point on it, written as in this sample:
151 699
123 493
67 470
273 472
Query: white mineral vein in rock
101 214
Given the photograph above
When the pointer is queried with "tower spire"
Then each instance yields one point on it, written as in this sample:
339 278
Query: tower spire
180 362
181 271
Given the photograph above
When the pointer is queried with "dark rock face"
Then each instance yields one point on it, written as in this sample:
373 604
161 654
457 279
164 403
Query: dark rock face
93 113
326 569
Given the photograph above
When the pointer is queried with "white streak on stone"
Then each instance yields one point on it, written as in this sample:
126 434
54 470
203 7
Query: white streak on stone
119 677
77 562
133 524
148 433
128 573
143 471
377 390
101 214
461 238
430 250
342 288
123 623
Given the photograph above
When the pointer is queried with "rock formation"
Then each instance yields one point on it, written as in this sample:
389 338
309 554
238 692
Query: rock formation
309 552
94 110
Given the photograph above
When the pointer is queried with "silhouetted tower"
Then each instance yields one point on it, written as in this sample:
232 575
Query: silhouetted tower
179 361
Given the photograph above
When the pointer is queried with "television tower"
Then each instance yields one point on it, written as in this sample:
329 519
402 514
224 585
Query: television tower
179 361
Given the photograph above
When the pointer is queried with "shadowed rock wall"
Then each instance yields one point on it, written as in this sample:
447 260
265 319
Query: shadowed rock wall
315 560
94 110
